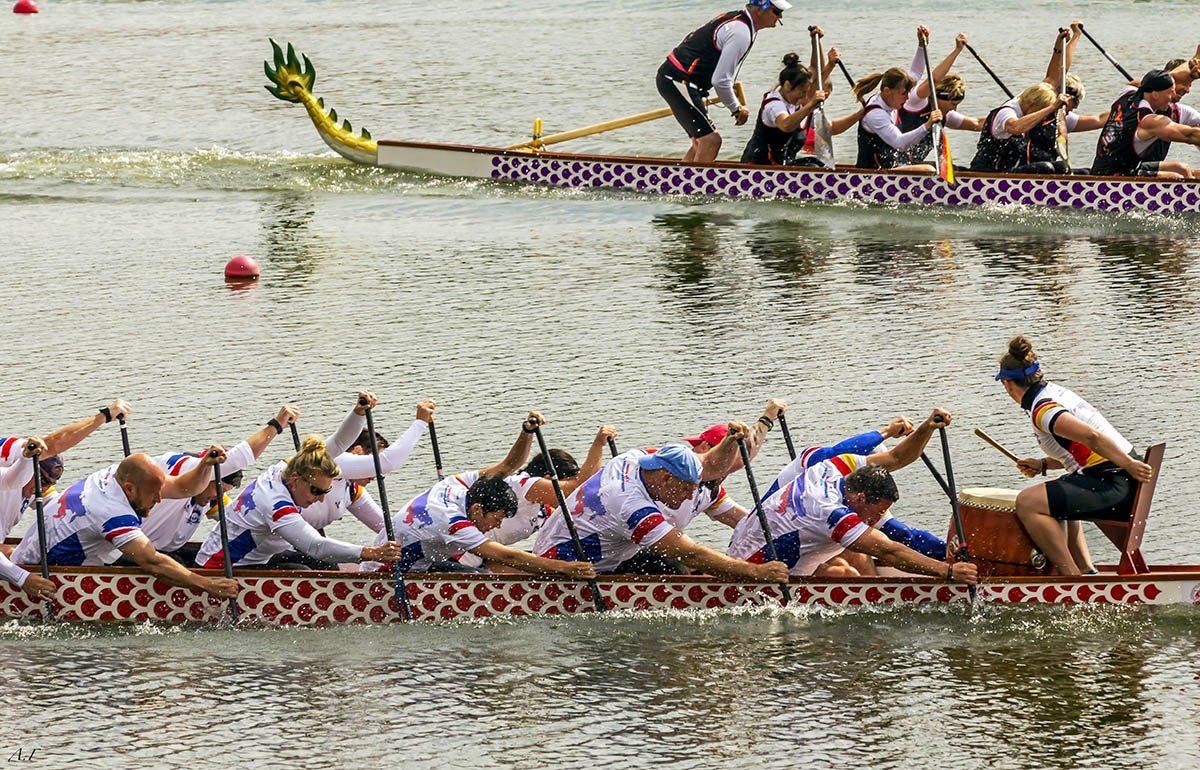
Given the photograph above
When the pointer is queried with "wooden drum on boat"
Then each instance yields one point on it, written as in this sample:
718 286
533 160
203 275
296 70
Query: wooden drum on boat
999 544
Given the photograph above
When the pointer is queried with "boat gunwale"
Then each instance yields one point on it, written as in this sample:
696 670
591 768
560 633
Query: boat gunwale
727 164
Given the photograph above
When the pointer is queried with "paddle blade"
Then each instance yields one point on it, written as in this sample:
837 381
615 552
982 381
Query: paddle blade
823 140
945 160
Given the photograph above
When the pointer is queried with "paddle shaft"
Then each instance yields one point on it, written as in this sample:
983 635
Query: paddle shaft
601 605
401 590
1063 141
296 444
224 529
41 527
846 72
762 515
787 436
937 127
989 71
997 445
613 125
1104 53
612 447
437 453
964 553
124 434
937 476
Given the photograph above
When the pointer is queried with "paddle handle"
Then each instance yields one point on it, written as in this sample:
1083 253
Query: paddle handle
437 453
41 524
601 605
224 529
295 436
612 447
124 434
964 553
787 435
997 445
400 589
1104 53
772 555
989 71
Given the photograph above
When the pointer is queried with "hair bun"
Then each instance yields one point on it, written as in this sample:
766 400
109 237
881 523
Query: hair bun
791 59
1021 349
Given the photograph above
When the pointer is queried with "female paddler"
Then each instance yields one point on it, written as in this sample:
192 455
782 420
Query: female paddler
949 88
1102 475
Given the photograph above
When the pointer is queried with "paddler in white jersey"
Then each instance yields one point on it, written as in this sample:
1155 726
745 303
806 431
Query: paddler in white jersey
17 487
707 59
1102 475
627 508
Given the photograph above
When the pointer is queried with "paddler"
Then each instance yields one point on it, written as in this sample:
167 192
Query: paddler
627 508
17 485
830 519
1102 474
1021 135
881 142
453 518
1143 123
950 90
267 518
104 511
708 59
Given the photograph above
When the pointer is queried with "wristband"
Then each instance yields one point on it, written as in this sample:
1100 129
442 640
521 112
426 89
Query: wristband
275 424
104 410
767 422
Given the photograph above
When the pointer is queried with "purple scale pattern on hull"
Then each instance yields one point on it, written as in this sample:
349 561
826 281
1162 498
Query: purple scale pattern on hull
1098 195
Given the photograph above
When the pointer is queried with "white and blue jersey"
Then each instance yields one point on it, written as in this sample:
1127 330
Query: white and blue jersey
91 518
614 515
434 527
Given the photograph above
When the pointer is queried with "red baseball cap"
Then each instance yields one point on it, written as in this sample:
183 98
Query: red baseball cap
713 436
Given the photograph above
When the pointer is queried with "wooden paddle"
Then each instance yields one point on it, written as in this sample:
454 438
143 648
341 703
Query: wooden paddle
943 172
41 521
401 591
601 605
1106 55
822 131
997 445
613 125
963 553
989 71
1064 148
772 555
224 529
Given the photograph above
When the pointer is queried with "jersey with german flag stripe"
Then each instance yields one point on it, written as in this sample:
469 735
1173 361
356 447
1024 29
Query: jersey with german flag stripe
614 514
1046 404
434 527
810 522
92 517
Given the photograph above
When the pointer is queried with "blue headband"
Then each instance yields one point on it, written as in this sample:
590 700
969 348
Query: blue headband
1019 374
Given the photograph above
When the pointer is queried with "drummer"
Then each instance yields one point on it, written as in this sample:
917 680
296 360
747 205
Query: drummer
1102 476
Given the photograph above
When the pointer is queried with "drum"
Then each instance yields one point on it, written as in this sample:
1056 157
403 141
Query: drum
998 543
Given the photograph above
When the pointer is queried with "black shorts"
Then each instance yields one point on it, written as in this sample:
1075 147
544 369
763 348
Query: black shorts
1104 493
1146 169
686 102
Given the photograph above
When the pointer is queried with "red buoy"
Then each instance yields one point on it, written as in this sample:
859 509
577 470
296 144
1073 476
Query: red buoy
241 268
25 6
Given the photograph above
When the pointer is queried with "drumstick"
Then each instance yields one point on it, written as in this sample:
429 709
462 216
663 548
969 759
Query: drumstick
979 432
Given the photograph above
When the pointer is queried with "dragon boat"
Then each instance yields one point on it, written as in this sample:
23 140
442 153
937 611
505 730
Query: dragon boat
293 77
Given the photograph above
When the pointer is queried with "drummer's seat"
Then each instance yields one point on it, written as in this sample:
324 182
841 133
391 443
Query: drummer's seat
1127 535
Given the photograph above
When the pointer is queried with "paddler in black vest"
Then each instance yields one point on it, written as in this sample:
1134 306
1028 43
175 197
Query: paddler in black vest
707 59
1142 125
950 90
881 143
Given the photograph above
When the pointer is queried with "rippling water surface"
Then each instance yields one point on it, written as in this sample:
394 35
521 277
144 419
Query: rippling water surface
141 152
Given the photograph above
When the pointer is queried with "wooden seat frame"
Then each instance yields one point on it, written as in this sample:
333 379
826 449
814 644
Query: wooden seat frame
1127 535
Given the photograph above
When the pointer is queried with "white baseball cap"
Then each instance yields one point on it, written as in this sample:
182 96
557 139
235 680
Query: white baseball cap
782 5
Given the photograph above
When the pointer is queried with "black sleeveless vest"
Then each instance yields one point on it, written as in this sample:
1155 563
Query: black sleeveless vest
769 145
919 152
873 152
1115 155
695 59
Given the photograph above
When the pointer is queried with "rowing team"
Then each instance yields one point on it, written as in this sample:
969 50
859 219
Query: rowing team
896 116
827 512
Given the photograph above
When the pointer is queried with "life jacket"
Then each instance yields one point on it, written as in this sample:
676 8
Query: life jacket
919 152
695 59
1038 145
1115 153
873 152
769 144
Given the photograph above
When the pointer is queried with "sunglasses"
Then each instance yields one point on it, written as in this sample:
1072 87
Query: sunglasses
317 491
777 11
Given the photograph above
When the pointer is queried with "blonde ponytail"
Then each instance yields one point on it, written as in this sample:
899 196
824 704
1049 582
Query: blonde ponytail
312 459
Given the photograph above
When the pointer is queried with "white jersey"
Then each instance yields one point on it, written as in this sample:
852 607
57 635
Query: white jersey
15 472
614 514
90 519
346 496
1012 111
810 523
171 523
434 527
1045 404
706 500
10 451
265 521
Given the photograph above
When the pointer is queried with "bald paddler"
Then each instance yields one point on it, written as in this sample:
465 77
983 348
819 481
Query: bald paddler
828 519
709 59
1142 124
626 508
104 511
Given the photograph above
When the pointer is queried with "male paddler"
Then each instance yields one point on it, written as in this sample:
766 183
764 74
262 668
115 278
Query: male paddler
627 508
708 59
1141 126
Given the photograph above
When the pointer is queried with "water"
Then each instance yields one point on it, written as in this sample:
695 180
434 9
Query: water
142 153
